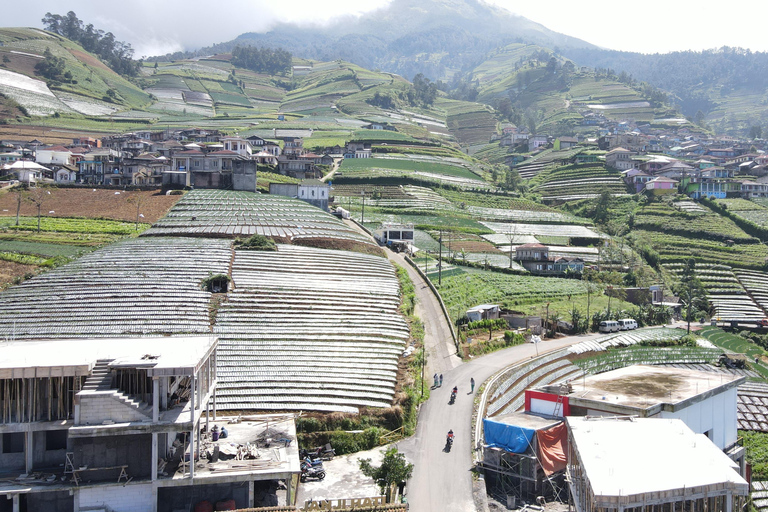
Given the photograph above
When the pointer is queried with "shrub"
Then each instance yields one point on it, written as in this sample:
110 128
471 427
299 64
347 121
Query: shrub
256 243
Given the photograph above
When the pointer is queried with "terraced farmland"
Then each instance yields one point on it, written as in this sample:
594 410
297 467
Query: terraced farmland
219 213
434 170
754 211
309 329
581 181
557 230
756 285
629 338
139 286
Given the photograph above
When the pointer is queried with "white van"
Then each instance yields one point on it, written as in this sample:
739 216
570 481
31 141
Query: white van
627 324
609 326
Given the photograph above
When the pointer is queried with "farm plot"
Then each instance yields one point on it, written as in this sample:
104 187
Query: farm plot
577 181
219 213
140 286
482 287
678 249
300 311
707 226
524 216
628 338
756 285
607 361
559 230
754 210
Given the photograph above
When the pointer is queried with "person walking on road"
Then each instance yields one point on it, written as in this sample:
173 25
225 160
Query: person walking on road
435 380
471 385
441 380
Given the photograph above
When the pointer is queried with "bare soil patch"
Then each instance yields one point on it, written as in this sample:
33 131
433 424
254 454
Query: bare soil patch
10 271
89 60
44 133
472 246
95 204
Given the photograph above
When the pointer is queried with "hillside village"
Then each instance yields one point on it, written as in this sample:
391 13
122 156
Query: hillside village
222 287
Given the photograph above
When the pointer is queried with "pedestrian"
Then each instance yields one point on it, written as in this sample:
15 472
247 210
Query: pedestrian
441 379
471 385
435 380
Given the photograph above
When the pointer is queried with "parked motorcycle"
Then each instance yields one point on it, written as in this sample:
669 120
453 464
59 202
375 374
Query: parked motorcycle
307 462
312 472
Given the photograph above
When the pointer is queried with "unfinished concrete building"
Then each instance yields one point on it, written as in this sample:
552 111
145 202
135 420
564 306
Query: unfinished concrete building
89 423
524 456
705 401
649 465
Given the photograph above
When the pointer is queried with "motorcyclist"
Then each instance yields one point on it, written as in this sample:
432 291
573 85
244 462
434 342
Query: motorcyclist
455 389
450 436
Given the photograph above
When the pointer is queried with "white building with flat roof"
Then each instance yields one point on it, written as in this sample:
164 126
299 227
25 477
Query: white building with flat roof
705 401
640 464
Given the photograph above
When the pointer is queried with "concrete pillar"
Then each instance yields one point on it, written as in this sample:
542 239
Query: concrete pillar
290 498
154 498
164 393
154 455
194 429
29 450
251 494
15 503
214 404
729 502
155 400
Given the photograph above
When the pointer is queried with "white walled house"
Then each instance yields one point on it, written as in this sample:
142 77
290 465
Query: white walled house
55 155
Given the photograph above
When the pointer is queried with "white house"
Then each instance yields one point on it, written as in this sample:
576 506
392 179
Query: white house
54 155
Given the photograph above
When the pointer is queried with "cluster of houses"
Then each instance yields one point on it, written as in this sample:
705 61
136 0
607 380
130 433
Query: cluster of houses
707 175
182 158
172 159
662 161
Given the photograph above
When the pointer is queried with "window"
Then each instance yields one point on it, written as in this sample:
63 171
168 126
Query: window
13 442
56 440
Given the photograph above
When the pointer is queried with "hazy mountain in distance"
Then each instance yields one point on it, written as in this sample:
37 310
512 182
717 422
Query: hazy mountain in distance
434 37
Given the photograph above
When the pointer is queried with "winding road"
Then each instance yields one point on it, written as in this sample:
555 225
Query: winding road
442 481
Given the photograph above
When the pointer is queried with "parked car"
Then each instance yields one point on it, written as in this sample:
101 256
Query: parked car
609 326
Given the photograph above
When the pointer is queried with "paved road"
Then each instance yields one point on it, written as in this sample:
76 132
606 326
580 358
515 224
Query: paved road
442 481
441 352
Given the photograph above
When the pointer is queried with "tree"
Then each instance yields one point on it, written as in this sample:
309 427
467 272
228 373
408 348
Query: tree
691 291
136 200
38 196
601 208
21 194
755 132
393 470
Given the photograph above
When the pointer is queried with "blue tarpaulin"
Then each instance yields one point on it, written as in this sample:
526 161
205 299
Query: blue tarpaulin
508 437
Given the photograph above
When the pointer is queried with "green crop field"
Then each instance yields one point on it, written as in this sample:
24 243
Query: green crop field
69 225
369 166
41 249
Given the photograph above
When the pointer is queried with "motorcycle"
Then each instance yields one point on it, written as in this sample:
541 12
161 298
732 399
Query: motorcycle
449 442
312 472
309 463
453 398
320 453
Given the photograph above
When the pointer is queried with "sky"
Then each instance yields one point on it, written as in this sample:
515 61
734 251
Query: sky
156 27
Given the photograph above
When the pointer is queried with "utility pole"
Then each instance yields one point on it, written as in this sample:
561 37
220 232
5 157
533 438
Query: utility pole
362 217
440 261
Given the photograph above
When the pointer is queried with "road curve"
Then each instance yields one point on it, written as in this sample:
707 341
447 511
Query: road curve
442 481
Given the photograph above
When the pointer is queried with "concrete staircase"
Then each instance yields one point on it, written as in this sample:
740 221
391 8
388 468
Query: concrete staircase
100 380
